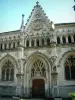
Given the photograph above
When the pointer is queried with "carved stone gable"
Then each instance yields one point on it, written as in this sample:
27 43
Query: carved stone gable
38 21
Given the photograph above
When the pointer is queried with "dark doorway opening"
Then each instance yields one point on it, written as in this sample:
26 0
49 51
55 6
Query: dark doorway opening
38 88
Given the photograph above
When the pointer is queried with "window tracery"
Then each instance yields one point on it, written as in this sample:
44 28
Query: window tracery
70 68
38 68
7 71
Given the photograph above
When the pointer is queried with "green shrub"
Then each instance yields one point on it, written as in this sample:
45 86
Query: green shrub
72 95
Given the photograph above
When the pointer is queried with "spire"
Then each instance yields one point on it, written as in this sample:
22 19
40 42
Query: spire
22 23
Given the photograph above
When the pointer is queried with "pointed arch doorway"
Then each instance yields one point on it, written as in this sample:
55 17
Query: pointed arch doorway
37 73
38 88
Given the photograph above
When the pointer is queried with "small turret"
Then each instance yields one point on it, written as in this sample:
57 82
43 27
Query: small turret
52 25
22 24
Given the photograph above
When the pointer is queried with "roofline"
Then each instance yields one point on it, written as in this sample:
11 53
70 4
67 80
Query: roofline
57 24
10 31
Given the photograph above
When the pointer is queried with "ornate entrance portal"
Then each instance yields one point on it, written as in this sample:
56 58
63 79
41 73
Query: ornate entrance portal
38 79
38 88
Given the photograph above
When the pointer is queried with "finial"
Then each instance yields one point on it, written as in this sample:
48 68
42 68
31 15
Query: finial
22 15
22 23
37 3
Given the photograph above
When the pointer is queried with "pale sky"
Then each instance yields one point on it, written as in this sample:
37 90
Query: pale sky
58 11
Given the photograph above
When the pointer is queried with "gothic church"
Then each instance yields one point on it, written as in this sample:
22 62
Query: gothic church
39 59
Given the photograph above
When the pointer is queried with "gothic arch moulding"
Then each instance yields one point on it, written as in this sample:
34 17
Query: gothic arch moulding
37 55
10 58
37 67
8 66
65 55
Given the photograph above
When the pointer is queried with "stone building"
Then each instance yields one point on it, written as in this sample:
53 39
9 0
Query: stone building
39 59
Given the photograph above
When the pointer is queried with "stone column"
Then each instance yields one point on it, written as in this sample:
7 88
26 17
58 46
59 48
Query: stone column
25 80
72 39
45 39
40 42
3 46
54 73
7 46
20 78
61 40
15 44
19 89
66 39
12 45
35 42
30 43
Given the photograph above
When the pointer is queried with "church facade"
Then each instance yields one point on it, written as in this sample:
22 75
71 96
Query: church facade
39 59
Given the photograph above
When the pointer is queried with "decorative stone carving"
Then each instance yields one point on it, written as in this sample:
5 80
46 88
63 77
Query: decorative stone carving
37 25
16 54
37 15
25 54
53 60
49 51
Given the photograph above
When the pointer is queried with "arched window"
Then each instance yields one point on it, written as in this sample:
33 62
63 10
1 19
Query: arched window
32 43
74 38
7 74
38 67
11 74
7 71
69 39
42 42
1 46
48 41
13 44
70 68
37 41
3 74
64 39
58 40
9 45
5 46
27 43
